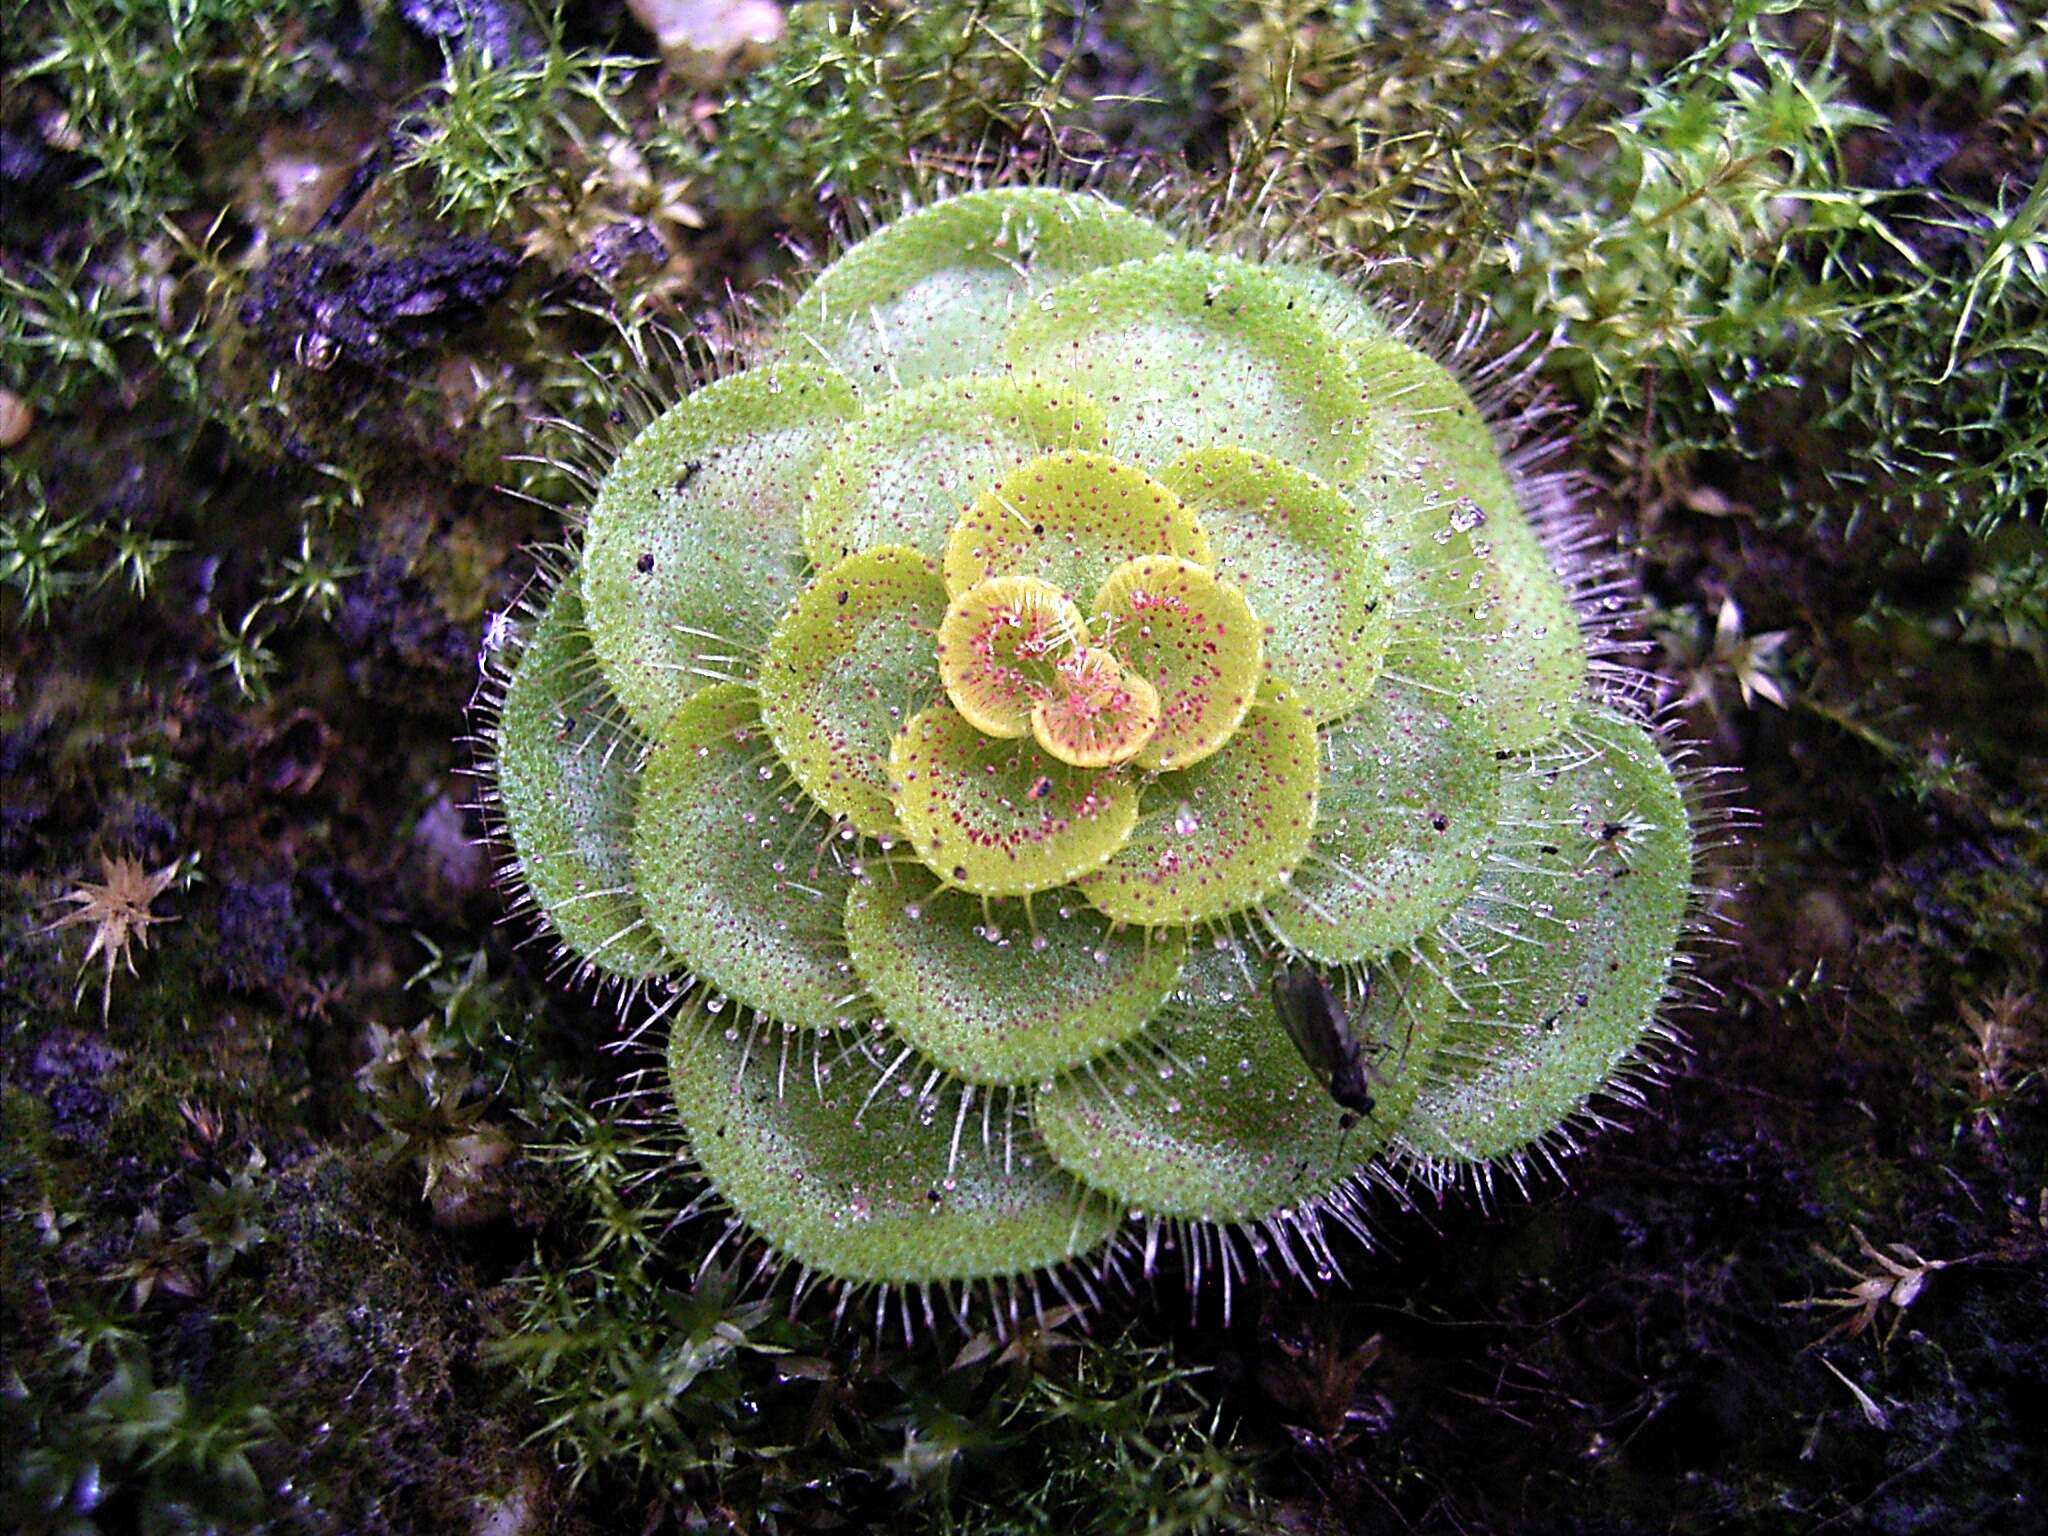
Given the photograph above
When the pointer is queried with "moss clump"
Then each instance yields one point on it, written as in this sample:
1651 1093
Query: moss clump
971 703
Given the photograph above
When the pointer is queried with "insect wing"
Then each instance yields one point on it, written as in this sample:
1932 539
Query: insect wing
1315 1021
1313 1018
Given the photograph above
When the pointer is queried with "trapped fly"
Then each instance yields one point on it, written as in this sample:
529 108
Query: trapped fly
1314 1018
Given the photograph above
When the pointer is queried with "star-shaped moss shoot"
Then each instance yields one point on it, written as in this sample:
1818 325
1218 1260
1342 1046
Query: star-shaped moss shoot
117 909
954 719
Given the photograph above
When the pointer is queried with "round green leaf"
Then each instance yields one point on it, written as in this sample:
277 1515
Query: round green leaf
1475 591
1191 351
1192 637
737 875
1070 519
565 765
1420 409
1215 838
904 474
1002 817
866 1185
1297 550
1000 644
1410 796
927 296
848 664
1560 955
694 547
1214 1116
1101 714
1010 992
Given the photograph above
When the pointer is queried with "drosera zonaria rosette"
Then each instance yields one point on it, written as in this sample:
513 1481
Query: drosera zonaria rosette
957 715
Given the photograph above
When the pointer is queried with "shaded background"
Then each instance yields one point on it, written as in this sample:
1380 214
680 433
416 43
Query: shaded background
282 289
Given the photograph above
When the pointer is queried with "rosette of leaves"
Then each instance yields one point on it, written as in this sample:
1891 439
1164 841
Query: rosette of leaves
956 715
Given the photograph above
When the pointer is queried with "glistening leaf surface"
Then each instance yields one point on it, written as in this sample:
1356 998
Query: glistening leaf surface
998 994
566 784
1190 351
1213 1115
1474 592
693 550
1069 518
1214 838
1561 954
1000 644
1478 598
1195 640
851 662
1002 817
864 1185
736 867
1409 798
1297 549
927 296
904 473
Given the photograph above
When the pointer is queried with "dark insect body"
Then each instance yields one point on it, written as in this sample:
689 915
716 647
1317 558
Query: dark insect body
1315 1020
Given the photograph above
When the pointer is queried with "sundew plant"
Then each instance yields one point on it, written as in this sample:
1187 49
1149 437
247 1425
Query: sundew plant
953 719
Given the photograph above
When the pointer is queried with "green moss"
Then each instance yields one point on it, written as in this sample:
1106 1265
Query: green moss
140 82
499 133
852 98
